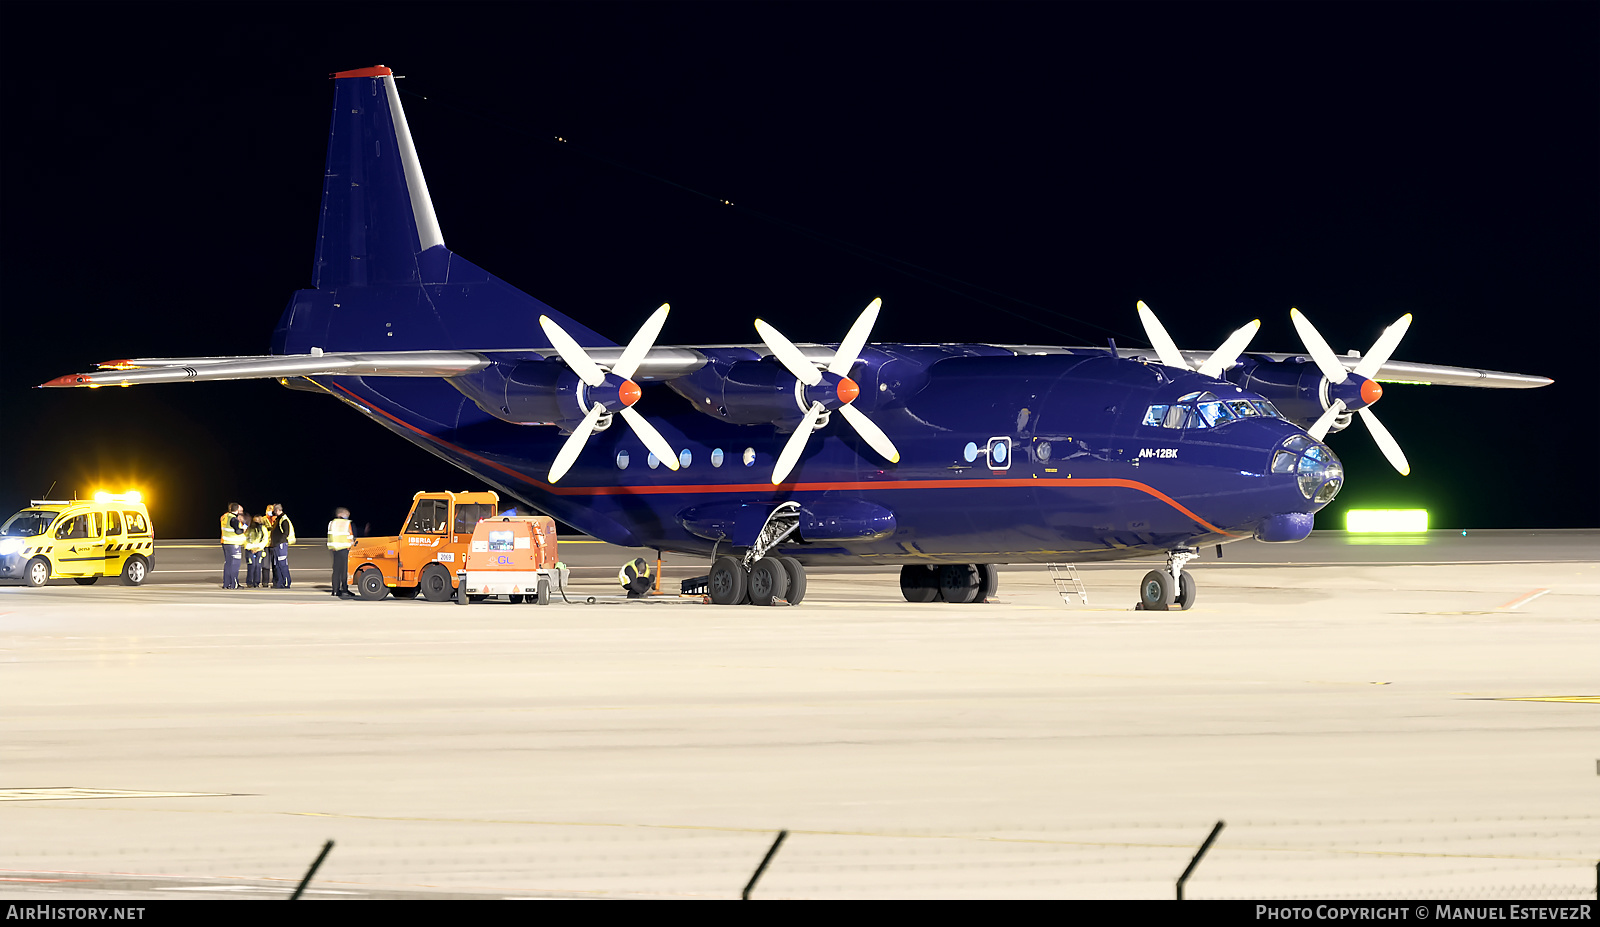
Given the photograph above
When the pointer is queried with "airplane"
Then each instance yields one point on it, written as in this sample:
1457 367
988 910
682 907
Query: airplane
766 458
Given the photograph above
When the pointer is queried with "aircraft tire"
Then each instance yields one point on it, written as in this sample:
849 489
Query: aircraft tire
988 581
86 580
797 579
958 583
768 580
1155 592
919 583
135 571
1185 595
728 582
370 585
435 585
37 572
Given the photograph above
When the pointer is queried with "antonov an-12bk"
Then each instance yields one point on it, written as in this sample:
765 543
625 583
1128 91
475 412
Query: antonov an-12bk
944 458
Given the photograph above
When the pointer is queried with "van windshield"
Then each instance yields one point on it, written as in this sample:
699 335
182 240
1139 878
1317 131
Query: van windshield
27 523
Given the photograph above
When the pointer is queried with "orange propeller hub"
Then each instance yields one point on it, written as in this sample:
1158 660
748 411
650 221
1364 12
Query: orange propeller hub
848 390
628 392
1371 392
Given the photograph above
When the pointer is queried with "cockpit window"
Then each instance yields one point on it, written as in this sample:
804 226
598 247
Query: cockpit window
1204 409
1216 413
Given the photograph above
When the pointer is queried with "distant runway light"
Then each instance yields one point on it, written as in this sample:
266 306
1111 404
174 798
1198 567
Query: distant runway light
1386 521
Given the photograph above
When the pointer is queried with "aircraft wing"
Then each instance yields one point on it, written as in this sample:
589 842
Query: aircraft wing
1395 371
663 363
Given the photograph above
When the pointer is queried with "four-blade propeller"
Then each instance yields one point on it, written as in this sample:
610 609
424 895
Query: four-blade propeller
607 393
1359 391
826 390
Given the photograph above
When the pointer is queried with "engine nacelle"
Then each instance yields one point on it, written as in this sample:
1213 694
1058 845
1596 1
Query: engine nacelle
1295 387
528 393
760 392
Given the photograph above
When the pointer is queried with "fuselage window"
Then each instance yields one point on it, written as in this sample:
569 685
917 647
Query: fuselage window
716 457
1155 414
622 460
1266 408
1243 409
652 461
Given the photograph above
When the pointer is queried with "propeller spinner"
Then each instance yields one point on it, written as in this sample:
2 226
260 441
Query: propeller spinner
1359 391
608 392
841 396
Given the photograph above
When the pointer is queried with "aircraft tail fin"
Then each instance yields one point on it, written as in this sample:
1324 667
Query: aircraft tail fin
377 218
383 279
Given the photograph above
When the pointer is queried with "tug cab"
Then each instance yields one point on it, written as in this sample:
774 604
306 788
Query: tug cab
424 556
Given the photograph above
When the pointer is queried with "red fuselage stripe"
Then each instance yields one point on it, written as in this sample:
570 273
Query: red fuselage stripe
701 489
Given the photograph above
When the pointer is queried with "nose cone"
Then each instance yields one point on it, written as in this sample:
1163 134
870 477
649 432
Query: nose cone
848 391
628 392
1371 392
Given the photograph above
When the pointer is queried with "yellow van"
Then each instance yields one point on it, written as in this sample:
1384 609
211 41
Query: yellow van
109 535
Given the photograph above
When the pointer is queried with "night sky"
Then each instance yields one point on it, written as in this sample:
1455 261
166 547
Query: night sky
995 172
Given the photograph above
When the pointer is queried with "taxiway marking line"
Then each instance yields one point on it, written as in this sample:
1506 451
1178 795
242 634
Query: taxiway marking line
1588 699
1525 599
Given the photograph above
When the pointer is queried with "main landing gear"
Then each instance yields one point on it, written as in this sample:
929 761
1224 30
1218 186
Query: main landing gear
759 578
1163 589
952 582
767 581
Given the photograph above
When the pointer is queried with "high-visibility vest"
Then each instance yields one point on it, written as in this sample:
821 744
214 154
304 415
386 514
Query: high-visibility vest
257 537
230 535
288 528
340 535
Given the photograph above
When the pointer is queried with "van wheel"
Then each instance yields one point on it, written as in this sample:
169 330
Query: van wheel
86 580
370 585
135 571
515 599
37 572
435 585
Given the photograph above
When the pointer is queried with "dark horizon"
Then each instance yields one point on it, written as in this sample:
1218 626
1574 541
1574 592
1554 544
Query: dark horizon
1221 162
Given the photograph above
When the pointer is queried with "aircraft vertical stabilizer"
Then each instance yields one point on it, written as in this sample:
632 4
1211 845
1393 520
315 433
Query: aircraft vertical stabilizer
383 279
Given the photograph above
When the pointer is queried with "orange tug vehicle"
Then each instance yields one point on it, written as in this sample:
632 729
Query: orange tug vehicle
513 556
431 547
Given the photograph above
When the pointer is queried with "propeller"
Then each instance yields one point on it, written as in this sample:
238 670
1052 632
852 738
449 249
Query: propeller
1221 359
608 392
1355 389
827 390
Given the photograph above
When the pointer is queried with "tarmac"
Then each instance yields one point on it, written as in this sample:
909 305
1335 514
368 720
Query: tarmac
1409 717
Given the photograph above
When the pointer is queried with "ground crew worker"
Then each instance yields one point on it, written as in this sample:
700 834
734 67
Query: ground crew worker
635 578
269 571
256 540
233 526
341 537
282 537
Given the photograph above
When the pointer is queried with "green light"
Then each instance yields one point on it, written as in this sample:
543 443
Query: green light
1386 521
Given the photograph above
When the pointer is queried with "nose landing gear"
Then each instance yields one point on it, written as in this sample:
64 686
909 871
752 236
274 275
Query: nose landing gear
1162 589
